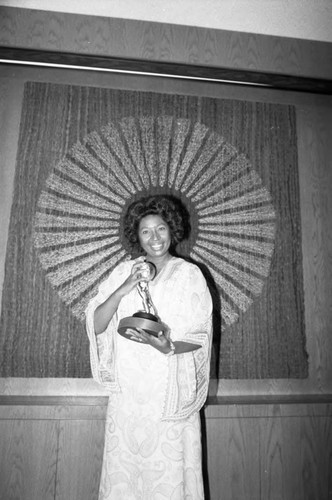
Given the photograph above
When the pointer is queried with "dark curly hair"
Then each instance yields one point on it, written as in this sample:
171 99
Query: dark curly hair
169 208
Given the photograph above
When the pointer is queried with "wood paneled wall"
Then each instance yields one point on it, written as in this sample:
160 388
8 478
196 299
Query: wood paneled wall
268 451
50 452
143 40
52 449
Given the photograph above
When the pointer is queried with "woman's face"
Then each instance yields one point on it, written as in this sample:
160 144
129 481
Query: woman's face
154 236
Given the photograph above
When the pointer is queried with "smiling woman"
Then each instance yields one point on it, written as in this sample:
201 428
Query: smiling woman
157 384
172 223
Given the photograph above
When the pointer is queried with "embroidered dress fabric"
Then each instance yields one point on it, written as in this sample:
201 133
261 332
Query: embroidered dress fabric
153 437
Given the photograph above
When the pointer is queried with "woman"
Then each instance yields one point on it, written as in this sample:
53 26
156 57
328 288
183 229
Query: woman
159 383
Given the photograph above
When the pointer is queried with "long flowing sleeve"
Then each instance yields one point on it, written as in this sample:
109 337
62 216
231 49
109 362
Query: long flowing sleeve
188 377
103 346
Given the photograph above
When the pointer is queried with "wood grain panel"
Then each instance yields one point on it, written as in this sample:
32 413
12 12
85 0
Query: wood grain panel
315 159
158 41
273 458
295 458
254 452
279 476
315 451
233 459
10 104
59 411
80 453
241 408
27 460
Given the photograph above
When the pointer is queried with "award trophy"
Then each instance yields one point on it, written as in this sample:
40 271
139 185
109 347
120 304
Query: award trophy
147 319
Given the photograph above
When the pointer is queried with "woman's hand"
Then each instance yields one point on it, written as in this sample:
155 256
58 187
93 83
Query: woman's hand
139 272
161 343
105 311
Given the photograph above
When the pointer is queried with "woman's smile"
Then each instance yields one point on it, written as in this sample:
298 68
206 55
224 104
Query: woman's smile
154 236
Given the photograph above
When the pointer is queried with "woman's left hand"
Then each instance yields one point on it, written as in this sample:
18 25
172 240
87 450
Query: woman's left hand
161 343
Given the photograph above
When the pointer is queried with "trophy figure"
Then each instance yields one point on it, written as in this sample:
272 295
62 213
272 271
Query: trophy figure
148 318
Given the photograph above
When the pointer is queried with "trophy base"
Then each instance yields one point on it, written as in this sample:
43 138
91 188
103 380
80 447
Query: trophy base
146 321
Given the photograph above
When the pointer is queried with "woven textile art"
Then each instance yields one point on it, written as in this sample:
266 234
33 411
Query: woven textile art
85 153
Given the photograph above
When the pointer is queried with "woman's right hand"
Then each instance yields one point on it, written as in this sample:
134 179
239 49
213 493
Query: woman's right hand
138 272
105 311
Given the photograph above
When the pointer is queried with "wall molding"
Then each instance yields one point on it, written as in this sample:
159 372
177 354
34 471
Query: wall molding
272 399
279 81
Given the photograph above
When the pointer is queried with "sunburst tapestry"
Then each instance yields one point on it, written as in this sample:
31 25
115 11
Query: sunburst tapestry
85 153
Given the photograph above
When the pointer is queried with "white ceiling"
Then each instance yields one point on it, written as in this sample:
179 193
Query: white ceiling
306 19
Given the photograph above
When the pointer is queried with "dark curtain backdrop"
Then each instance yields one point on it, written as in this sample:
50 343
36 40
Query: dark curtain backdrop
84 153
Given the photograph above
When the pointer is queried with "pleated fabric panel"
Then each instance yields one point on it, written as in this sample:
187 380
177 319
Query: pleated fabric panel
85 153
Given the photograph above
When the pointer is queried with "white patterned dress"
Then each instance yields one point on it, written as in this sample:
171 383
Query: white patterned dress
152 438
